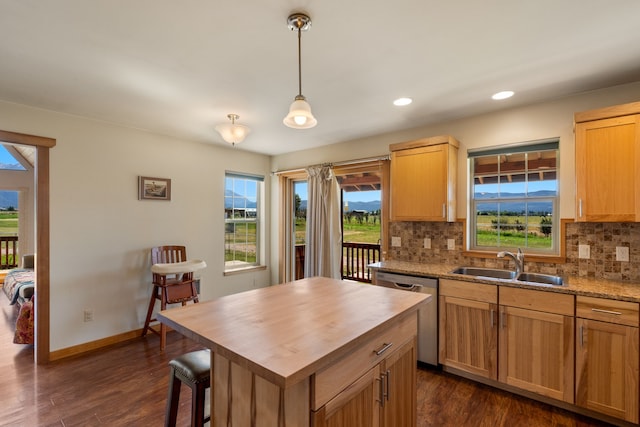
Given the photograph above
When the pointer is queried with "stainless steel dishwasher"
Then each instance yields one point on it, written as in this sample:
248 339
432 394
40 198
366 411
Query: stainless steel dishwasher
427 315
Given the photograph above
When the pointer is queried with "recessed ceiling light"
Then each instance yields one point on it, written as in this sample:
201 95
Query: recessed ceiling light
502 95
400 102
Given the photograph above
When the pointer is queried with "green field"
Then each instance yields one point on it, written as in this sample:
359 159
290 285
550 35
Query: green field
354 231
515 232
240 242
9 223
8 227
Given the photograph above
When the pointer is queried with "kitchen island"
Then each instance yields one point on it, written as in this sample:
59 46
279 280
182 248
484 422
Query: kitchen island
310 352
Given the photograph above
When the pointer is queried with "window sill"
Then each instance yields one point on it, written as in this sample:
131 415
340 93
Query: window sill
240 270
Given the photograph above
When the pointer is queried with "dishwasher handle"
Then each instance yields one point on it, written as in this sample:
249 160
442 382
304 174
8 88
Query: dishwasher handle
408 286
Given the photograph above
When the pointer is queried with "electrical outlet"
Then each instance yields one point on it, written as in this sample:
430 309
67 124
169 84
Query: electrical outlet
88 315
427 243
622 253
584 251
451 244
396 242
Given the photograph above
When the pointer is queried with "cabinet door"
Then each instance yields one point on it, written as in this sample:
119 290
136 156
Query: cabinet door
419 184
399 392
607 368
358 405
469 336
536 352
608 169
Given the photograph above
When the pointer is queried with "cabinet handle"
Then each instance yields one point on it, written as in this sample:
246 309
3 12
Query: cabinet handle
381 390
615 313
385 347
581 336
444 210
492 318
502 319
387 388
580 208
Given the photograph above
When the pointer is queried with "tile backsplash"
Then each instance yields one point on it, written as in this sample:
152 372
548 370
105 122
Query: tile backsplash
602 238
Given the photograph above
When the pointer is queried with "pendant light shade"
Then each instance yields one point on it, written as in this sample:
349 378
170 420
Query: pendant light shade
232 132
300 116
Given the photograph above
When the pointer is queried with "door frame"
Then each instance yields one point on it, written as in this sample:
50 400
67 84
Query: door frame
42 242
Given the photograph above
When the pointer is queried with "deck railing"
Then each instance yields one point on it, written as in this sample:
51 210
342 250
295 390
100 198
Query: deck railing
8 252
355 259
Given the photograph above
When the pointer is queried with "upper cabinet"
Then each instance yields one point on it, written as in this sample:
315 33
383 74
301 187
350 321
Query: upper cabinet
423 179
608 164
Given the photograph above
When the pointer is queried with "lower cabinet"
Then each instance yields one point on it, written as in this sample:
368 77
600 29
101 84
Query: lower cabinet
607 359
384 396
468 335
536 342
525 342
576 349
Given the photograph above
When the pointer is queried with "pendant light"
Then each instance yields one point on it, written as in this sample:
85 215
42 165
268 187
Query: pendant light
232 132
299 116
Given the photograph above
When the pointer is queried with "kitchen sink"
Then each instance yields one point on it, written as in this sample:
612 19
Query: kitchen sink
540 278
493 273
496 273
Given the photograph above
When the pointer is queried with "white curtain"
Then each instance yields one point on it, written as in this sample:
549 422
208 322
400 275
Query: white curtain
323 250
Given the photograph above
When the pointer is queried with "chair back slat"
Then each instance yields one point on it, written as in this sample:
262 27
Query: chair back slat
168 254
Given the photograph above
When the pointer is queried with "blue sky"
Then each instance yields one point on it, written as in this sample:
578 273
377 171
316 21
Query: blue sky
7 159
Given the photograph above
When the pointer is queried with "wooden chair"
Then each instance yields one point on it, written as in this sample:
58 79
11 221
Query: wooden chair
169 288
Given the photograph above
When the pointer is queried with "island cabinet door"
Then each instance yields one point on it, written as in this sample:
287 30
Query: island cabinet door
398 378
356 406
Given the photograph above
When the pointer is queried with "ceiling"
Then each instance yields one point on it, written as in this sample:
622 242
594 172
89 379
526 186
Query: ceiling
179 67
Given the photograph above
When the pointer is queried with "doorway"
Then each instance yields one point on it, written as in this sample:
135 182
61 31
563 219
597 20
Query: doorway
365 209
41 240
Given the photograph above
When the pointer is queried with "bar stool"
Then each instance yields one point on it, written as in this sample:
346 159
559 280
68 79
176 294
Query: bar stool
194 370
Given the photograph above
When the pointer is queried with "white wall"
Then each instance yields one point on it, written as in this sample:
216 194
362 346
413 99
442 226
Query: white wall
101 233
510 125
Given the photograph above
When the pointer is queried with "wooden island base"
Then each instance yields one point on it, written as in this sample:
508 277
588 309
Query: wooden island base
315 352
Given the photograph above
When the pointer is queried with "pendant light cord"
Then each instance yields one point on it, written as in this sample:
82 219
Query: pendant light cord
299 60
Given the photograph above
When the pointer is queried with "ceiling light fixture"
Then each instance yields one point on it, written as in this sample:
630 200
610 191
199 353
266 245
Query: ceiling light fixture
299 116
401 102
232 132
502 95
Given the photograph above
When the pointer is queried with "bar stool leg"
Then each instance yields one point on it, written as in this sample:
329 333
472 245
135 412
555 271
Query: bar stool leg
197 405
173 400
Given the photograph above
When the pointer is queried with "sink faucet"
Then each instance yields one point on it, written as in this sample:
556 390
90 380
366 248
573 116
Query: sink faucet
518 259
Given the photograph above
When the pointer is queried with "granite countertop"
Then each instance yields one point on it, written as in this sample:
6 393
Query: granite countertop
572 285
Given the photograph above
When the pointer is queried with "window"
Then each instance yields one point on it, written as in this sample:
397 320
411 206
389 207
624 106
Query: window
514 198
242 220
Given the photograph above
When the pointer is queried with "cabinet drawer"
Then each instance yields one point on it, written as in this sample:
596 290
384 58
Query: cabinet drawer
607 310
469 290
549 302
330 381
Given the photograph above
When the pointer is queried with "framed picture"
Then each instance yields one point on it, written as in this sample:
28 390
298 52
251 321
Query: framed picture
154 188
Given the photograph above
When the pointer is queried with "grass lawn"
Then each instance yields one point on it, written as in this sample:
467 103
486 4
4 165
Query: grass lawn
9 223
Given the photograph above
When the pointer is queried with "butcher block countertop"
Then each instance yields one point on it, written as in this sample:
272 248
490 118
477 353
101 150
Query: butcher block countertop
285 333
600 288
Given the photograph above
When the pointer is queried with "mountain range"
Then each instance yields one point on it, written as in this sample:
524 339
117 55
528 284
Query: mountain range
8 199
371 206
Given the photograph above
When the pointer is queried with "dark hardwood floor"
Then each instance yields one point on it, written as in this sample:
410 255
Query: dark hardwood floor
126 385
